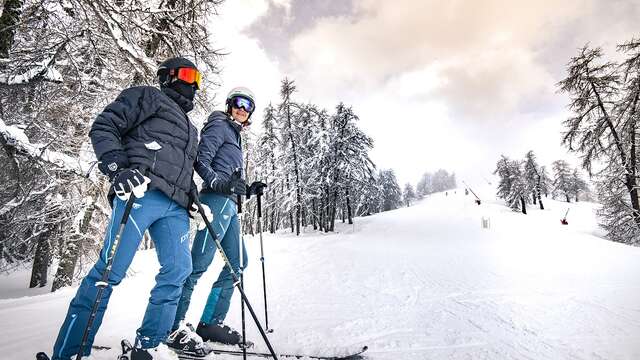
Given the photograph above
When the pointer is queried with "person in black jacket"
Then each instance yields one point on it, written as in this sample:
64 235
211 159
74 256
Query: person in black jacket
147 145
220 165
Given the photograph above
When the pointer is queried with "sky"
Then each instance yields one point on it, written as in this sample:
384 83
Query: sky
436 84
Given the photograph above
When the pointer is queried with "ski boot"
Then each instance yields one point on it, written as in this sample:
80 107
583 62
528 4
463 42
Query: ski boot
221 333
127 351
185 340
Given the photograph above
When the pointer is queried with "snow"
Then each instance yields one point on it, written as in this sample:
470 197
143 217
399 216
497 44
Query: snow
415 283
44 68
16 137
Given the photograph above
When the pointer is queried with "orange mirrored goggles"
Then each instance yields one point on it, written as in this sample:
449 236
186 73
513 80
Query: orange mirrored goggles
188 75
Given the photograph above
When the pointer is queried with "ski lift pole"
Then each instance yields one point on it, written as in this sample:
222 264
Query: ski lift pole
236 281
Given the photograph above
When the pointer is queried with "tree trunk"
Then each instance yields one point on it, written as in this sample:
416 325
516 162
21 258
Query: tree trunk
72 248
293 229
320 213
540 201
314 214
10 17
635 204
524 205
41 261
334 209
272 219
349 208
632 168
533 195
567 196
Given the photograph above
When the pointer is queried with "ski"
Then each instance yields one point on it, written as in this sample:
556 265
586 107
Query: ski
44 356
353 356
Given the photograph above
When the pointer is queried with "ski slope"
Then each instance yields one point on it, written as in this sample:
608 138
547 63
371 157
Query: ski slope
424 282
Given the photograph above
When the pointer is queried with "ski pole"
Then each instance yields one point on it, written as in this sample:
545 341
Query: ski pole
104 281
241 246
264 282
236 281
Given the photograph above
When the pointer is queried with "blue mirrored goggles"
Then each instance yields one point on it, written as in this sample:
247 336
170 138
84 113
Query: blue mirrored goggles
243 103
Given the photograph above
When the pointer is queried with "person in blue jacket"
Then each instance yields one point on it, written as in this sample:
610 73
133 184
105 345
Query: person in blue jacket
147 145
219 164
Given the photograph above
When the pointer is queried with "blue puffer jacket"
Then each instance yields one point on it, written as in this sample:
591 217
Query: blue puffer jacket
219 152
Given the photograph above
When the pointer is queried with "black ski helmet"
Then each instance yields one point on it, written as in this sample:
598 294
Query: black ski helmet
172 63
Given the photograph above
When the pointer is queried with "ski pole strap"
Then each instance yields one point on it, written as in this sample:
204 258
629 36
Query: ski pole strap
259 206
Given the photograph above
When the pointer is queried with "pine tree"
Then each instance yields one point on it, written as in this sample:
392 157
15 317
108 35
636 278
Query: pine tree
533 178
562 179
409 195
391 193
605 98
544 181
512 186
425 185
577 185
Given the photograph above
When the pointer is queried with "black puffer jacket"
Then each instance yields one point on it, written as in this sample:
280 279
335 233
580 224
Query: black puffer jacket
148 129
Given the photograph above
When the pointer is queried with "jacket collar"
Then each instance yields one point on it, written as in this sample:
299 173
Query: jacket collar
236 125
185 104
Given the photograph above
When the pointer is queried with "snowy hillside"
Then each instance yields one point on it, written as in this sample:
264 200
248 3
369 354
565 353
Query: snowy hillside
425 282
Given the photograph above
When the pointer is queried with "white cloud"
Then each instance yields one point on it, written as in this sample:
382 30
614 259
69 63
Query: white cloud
449 84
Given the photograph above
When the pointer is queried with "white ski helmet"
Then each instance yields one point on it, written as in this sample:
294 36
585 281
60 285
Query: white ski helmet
240 92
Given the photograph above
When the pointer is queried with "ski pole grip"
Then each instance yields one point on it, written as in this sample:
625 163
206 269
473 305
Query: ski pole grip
239 204
259 205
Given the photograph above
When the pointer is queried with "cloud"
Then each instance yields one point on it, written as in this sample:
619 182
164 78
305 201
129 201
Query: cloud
436 83
247 63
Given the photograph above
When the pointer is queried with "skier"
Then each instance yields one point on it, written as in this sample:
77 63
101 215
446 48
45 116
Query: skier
219 164
143 139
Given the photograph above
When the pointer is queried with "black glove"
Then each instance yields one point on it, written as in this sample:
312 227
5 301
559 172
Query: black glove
192 207
112 163
127 181
235 185
256 188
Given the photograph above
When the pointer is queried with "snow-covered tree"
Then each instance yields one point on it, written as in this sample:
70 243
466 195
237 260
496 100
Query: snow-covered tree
603 130
391 193
408 195
317 165
577 185
60 63
267 147
425 185
512 186
533 178
439 181
545 181
561 179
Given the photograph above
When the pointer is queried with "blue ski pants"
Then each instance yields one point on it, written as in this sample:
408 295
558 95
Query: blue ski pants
168 225
227 227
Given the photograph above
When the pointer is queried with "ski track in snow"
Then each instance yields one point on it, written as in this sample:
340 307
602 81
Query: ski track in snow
424 282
